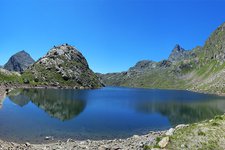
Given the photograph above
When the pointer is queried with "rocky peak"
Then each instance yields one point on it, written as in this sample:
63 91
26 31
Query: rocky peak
65 52
178 48
19 62
179 54
63 65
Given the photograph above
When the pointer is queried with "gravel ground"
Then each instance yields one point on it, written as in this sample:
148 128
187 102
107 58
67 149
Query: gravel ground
135 142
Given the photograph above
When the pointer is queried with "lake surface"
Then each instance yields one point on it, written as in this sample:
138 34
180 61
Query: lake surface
107 113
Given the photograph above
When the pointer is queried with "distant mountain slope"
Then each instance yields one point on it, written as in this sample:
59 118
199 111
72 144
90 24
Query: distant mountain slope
199 69
62 66
19 62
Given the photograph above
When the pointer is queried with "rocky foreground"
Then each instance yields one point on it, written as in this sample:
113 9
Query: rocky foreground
136 142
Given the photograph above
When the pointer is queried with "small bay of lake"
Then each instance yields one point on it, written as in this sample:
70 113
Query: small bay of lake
107 113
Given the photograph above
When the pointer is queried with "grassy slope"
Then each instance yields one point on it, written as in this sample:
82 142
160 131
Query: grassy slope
13 78
206 135
157 79
50 76
205 72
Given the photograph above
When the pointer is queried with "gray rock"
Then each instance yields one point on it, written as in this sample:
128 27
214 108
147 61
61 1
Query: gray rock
179 54
181 126
170 132
163 143
19 62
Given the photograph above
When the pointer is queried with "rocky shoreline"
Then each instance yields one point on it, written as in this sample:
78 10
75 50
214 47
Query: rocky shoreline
135 142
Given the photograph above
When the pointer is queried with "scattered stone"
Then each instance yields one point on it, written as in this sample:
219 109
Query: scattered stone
135 136
181 126
27 144
70 140
164 142
170 132
49 138
182 146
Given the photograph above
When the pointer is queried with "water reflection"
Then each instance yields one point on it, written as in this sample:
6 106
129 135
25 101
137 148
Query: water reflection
60 104
105 113
179 113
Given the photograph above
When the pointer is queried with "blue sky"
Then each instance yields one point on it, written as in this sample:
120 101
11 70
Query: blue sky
112 34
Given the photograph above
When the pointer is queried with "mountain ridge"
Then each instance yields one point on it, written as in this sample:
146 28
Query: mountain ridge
199 69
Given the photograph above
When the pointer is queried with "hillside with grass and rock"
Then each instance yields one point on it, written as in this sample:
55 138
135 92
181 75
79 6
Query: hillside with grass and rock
200 69
62 66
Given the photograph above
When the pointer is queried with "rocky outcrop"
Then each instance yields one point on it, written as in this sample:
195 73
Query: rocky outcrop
143 65
63 65
179 54
19 62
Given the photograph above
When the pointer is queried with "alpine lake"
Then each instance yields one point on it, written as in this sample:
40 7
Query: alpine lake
43 115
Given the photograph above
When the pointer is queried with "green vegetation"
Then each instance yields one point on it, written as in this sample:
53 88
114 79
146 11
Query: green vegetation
200 69
206 135
12 78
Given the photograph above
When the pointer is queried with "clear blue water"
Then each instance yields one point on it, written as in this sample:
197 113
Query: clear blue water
107 113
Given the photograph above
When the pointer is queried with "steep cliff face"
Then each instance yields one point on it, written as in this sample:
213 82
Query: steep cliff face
63 65
19 62
214 48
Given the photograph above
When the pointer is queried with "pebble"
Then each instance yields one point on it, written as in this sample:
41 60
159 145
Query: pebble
49 138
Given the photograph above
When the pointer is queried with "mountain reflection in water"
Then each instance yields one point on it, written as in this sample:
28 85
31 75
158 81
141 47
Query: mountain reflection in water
179 113
60 104
106 113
